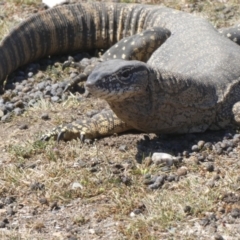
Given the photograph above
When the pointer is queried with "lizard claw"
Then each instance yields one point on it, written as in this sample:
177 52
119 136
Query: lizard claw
82 136
44 138
74 81
60 136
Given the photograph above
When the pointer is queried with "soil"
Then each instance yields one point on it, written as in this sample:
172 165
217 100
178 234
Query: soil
104 189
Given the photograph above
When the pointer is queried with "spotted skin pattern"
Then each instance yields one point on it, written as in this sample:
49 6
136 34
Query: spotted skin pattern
137 47
233 33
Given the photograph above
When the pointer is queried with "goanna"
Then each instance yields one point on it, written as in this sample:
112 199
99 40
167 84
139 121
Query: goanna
190 83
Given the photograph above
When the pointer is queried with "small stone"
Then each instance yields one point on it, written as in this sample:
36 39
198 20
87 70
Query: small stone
236 136
207 145
182 171
126 180
1 113
30 74
73 75
211 183
45 116
2 224
6 117
23 126
210 158
209 167
137 211
204 222
92 231
26 89
201 158
123 148
187 209
55 99
171 178
93 169
235 213
159 158
160 179
218 237
18 111
195 148
9 106
43 201
154 186
200 144
9 200
76 185
219 150
10 211
37 186
186 154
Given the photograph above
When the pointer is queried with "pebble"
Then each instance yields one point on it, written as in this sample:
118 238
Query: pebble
187 209
55 99
23 126
195 148
182 171
1 113
208 145
123 148
2 224
45 116
200 144
186 154
162 158
18 111
76 185
209 167
235 213
218 237
6 117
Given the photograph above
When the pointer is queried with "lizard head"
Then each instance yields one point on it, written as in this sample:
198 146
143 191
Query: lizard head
117 79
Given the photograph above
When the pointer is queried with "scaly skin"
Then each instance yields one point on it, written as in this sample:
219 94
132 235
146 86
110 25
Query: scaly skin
190 83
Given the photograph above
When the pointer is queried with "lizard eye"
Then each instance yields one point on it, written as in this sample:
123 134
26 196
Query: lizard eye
126 73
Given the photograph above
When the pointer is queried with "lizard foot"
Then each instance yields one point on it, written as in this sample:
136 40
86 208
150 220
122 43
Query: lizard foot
101 124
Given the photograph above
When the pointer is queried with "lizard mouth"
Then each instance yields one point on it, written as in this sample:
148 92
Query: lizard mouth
95 90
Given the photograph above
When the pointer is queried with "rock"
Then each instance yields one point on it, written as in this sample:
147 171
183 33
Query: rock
182 171
185 154
23 126
123 148
161 158
209 167
200 144
195 148
76 185
18 111
187 209
55 99
45 116
30 74
235 213
1 113
218 237
6 117
207 145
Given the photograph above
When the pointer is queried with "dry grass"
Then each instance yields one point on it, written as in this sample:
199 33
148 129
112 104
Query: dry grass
40 176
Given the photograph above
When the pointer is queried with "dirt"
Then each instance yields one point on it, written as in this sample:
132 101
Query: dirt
74 190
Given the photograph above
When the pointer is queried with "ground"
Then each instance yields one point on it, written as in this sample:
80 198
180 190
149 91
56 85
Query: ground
105 189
